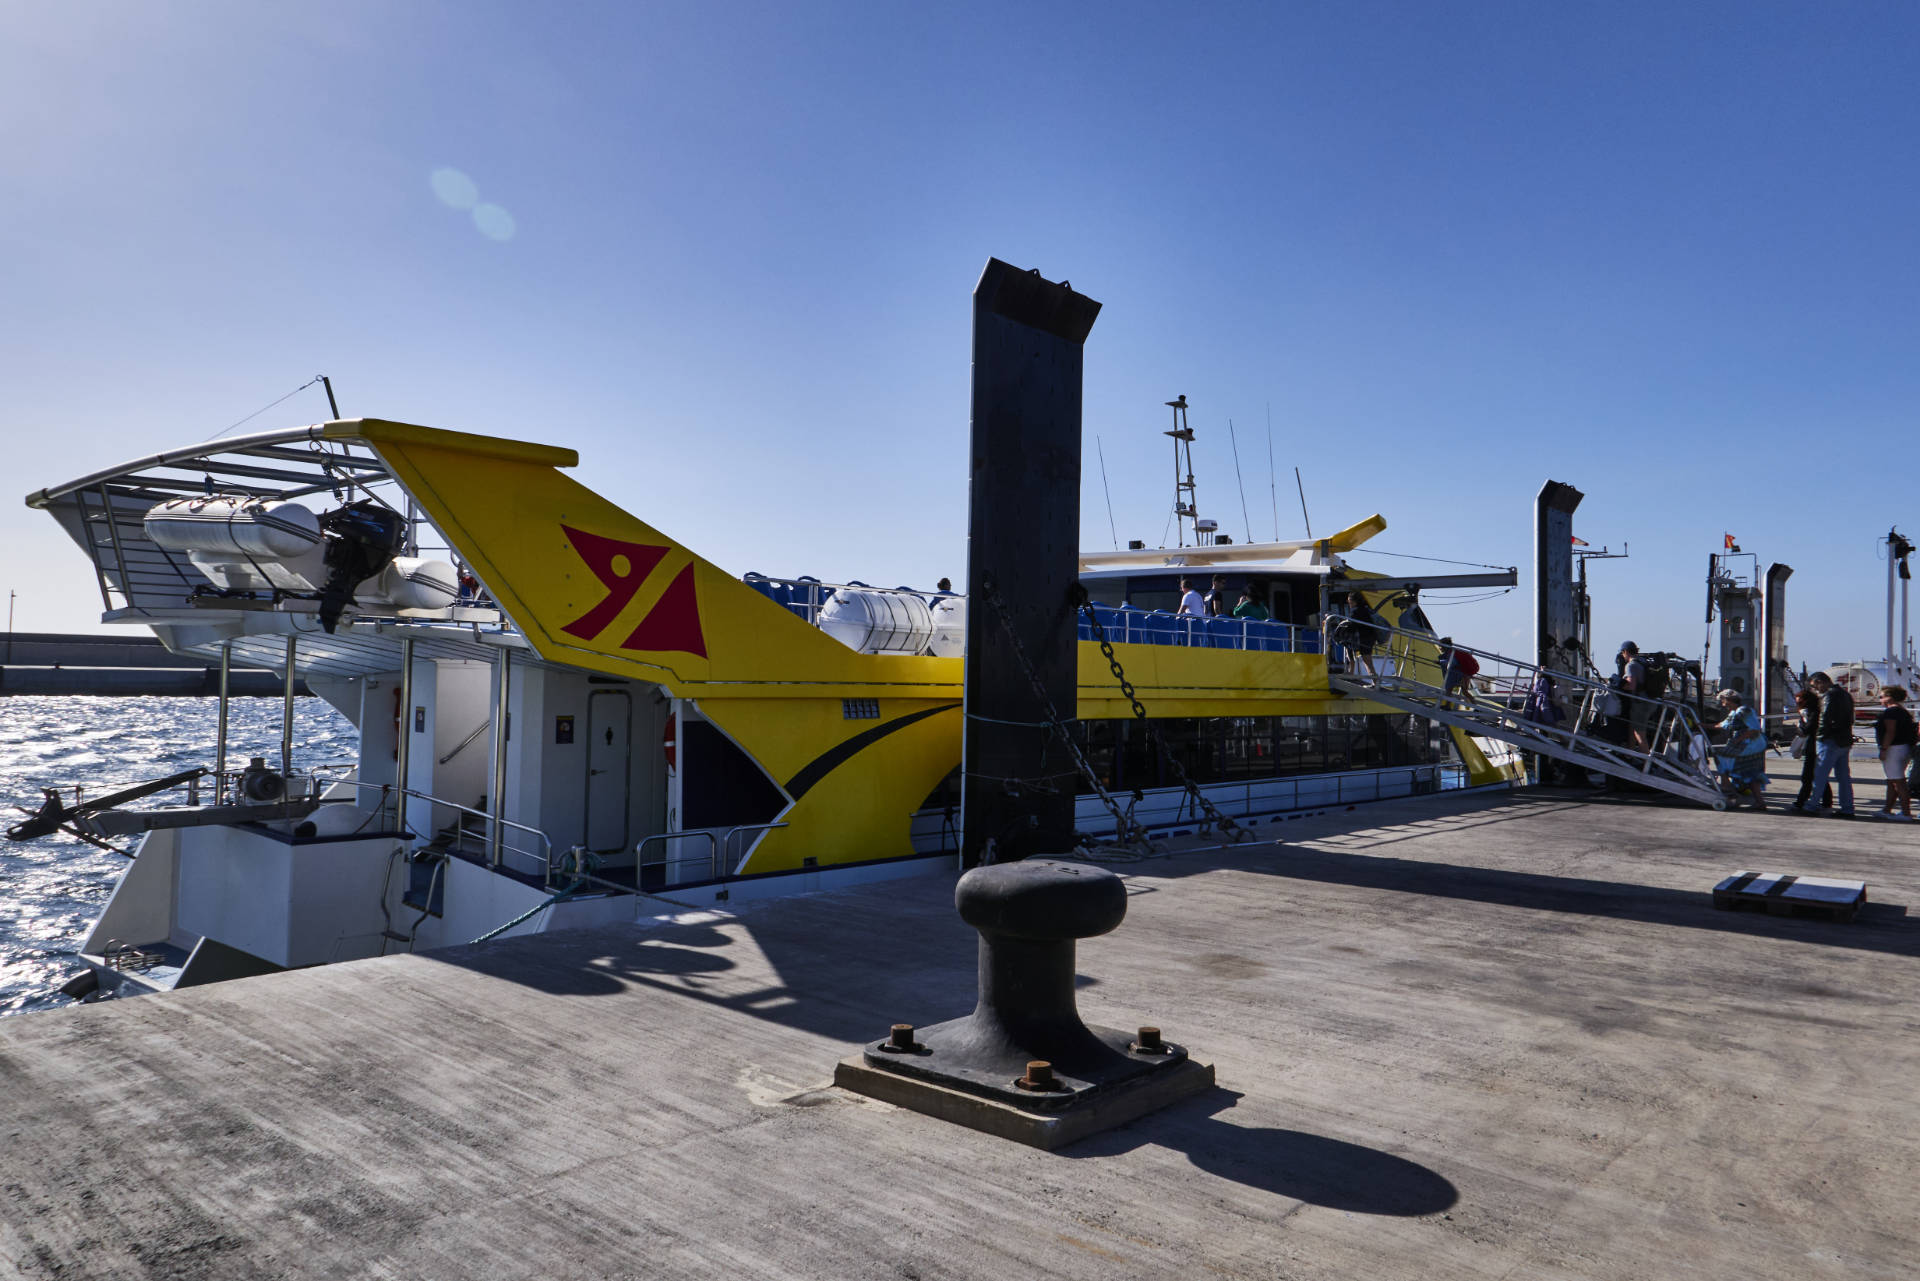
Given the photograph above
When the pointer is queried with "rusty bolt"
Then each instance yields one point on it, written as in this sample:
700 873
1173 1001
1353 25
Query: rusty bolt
1039 1076
900 1041
1148 1042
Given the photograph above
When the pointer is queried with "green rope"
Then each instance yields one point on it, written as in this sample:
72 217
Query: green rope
533 911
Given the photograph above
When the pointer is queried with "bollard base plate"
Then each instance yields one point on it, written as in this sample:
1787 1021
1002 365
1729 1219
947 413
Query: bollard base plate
1090 1113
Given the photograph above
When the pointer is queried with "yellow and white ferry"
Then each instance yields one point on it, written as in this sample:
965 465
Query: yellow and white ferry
565 714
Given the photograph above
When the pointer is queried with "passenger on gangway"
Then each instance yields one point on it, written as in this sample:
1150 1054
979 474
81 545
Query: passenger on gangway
1458 668
1362 632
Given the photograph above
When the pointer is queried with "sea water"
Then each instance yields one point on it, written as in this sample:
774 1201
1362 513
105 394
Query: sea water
51 889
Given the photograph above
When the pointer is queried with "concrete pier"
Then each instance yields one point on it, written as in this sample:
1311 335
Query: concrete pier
1473 1036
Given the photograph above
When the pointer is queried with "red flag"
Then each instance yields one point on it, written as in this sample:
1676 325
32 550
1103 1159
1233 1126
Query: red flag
1730 543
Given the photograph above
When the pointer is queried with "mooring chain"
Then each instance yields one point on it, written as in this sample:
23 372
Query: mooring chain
1126 830
1215 818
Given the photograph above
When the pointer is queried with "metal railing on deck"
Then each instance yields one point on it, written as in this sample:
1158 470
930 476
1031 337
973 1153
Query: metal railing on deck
543 856
720 847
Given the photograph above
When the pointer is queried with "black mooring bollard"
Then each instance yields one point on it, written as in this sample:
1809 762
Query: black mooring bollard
1029 916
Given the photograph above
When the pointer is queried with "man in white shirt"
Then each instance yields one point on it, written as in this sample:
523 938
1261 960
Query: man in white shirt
1190 602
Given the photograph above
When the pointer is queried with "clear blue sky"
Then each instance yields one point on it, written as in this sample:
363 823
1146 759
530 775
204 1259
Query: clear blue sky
1666 253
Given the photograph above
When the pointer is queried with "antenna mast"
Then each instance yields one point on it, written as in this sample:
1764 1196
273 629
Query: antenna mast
1239 480
1186 506
1111 527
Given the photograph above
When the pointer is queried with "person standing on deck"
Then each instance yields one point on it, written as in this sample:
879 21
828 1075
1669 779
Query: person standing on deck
1633 680
1808 704
1250 607
1216 600
1895 731
1834 740
1190 602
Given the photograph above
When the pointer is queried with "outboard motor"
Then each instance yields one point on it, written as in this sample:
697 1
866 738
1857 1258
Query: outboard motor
362 538
261 785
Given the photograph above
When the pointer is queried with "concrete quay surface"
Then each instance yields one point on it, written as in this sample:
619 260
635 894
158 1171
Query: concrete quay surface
1467 1036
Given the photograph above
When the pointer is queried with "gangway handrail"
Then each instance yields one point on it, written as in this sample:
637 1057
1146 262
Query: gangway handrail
1668 762
1528 672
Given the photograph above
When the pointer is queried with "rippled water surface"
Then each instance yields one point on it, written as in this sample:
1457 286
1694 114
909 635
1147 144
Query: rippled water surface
52 888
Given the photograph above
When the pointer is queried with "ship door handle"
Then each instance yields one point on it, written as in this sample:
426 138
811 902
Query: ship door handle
592 772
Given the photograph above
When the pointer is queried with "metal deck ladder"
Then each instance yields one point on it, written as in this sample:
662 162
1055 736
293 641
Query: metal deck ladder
1493 705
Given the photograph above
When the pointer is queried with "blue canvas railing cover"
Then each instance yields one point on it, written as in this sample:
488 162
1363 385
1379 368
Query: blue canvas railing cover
1125 625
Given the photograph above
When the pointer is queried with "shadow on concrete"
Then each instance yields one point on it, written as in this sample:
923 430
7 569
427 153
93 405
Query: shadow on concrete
1879 927
566 968
829 956
1305 1167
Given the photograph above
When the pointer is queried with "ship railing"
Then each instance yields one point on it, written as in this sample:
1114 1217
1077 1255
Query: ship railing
667 859
1126 625
718 862
806 596
541 855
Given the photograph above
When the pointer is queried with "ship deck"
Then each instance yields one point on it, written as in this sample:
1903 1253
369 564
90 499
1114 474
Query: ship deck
1465 1036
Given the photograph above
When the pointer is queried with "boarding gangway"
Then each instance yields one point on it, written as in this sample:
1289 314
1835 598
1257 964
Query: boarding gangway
1403 674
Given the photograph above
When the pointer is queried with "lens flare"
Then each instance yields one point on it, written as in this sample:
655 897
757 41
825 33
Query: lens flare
494 222
454 188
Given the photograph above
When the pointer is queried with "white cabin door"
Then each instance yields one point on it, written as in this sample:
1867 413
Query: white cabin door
609 769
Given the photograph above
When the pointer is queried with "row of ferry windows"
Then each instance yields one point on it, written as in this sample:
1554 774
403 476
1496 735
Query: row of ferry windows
1243 749
1239 749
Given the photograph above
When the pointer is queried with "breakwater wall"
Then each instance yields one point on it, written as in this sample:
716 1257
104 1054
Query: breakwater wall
75 663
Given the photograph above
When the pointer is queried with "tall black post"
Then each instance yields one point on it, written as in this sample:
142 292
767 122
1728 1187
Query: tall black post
1773 626
1023 1065
1555 618
1023 559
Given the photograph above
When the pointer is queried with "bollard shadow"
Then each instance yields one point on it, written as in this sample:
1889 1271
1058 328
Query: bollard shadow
1300 1166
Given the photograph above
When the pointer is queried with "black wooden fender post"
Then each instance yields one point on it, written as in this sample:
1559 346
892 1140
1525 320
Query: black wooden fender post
1023 559
1022 1065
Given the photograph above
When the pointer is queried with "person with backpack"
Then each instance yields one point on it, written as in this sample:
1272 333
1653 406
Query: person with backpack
1896 733
1458 668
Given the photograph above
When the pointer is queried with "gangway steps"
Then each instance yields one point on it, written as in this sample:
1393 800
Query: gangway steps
1667 772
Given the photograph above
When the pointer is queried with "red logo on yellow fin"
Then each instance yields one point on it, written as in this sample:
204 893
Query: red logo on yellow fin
674 621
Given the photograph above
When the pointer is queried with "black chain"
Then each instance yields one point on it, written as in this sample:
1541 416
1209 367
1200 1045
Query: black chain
1215 818
1126 830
